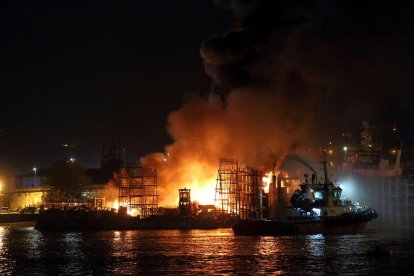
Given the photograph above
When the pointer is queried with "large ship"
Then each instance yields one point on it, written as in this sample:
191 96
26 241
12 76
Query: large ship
315 208
80 218
83 219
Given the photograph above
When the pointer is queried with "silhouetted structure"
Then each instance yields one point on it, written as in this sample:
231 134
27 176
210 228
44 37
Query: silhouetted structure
251 194
110 163
138 190
184 203
239 191
227 196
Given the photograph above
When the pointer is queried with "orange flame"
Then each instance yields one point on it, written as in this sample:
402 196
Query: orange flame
267 179
247 127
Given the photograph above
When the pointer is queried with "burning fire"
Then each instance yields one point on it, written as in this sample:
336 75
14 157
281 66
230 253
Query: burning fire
247 127
201 182
116 204
130 211
266 180
205 193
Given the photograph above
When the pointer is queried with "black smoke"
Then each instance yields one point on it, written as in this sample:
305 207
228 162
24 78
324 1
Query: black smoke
347 60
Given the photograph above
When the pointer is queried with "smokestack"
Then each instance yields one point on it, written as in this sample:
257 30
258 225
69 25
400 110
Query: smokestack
281 199
272 197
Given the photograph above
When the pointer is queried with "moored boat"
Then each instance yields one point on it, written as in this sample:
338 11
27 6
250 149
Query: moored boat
335 225
316 208
81 220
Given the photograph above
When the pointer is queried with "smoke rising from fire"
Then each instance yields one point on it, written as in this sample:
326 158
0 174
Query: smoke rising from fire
281 81
252 126
350 57
110 193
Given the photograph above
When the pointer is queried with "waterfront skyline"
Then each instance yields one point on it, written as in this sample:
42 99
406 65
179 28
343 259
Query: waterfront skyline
69 70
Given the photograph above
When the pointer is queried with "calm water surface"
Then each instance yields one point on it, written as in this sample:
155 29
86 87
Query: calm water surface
25 251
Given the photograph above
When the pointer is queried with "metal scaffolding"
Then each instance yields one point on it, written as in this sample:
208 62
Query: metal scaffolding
227 196
239 191
251 194
138 190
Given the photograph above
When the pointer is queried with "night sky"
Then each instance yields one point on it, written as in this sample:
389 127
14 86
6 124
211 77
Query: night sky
70 69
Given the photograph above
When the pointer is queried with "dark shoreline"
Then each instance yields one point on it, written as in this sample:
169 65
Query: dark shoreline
10 218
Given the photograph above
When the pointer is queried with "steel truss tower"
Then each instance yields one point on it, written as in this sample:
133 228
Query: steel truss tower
251 194
138 190
227 196
239 191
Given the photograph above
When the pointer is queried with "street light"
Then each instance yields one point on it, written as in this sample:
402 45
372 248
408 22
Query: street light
345 150
35 171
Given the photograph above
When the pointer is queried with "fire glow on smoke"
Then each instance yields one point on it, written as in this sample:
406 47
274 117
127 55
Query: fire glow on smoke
259 108
276 87
247 127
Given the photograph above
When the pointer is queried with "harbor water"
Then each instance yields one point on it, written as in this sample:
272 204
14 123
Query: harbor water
26 251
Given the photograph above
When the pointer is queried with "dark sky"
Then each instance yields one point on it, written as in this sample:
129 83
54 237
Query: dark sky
69 68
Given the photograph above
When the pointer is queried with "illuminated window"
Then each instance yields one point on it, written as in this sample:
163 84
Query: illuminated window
318 195
317 211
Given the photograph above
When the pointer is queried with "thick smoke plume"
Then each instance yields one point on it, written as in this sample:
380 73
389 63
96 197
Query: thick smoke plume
251 127
283 78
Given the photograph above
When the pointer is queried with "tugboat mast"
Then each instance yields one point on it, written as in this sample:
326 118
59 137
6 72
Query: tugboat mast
325 171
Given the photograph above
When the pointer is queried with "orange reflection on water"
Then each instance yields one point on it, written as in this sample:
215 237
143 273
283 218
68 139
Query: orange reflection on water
268 246
122 244
2 238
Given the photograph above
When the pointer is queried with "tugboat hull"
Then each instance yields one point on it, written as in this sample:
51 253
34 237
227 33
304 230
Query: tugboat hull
340 225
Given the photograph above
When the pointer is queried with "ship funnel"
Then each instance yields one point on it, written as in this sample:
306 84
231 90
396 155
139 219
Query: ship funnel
272 196
325 172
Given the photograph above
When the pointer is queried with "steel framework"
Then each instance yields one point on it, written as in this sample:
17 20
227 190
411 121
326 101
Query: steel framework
239 191
138 190
227 196
251 194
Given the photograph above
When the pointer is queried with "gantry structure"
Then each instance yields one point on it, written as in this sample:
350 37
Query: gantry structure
239 190
138 190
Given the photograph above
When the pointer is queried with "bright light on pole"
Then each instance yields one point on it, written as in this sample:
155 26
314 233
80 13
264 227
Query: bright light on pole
35 172
345 150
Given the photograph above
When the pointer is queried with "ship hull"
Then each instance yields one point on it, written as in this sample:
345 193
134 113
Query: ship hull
101 220
340 225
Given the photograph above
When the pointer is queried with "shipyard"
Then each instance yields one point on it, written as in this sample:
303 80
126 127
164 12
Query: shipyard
212 137
241 193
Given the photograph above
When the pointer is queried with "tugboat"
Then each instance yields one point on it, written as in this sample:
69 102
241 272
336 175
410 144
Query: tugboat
316 208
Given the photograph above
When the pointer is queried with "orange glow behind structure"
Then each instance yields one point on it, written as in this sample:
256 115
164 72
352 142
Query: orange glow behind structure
201 182
247 127
116 204
184 170
267 179
204 194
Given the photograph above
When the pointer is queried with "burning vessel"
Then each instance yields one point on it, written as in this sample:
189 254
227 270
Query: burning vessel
241 201
83 218
138 209
316 208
